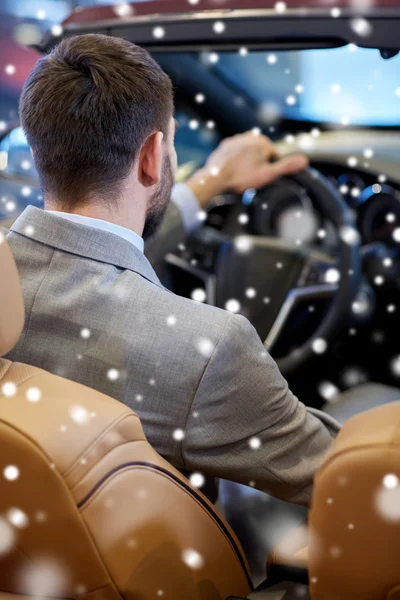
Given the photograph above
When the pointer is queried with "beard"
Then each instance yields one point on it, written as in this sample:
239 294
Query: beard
159 201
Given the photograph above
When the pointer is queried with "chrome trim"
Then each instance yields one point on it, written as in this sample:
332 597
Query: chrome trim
288 305
208 278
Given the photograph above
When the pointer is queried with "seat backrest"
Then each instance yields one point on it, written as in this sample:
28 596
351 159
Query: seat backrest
87 507
355 517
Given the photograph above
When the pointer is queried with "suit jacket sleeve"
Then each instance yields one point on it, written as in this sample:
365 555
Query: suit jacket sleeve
246 425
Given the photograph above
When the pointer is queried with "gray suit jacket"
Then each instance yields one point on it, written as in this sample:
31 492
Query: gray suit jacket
179 364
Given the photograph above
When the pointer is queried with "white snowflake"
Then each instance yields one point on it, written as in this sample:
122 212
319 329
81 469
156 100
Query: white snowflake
199 295
85 333
243 218
243 51
335 12
255 443
391 308
57 30
361 27
329 391
200 98
349 235
387 262
192 558
79 414
33 394
9 389
352 161
41 516
396 234
243 244
10 69
159 32
26 191
319 345
219 27
332 276
123 10
214 171
280 7
197 480
213 57
11 472
178 435
368 153
113 374
335 551
272 59
251 293
232 305
7 536
171 320
10 205
205 346
379 280
17 518
193 124
388 498
395 366
210 124
44 578
291 100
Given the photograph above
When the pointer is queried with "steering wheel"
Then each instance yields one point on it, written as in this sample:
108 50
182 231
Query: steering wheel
280 272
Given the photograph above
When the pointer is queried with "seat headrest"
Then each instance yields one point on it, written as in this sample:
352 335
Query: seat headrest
355 516
11 301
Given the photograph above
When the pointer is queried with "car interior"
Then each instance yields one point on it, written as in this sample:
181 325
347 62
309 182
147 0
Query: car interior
90 509
312 261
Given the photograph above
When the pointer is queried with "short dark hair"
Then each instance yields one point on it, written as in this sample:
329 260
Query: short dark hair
86 109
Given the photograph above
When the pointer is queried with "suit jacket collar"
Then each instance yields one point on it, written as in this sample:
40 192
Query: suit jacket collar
81 240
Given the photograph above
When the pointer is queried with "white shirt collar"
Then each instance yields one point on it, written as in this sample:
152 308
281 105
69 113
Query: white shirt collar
126 234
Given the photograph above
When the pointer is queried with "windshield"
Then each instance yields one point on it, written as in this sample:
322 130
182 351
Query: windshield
344 86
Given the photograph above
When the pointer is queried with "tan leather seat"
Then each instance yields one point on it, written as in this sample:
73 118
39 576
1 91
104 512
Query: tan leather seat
351 547
87 508
355 518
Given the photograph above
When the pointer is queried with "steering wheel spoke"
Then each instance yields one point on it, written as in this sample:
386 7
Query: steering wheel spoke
319 269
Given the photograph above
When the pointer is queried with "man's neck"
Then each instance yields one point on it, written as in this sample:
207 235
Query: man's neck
123 218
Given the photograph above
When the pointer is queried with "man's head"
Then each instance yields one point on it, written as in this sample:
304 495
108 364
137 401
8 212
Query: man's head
98 115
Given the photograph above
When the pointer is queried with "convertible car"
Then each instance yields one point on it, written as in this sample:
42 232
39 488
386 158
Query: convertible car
312 260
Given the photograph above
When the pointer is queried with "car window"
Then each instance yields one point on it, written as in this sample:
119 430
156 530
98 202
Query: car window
195 139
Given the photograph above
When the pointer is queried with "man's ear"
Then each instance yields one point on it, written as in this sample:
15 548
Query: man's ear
150 160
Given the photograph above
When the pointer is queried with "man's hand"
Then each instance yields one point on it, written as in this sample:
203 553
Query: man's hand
241 162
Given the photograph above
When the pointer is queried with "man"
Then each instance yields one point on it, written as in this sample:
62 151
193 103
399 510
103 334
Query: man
98 115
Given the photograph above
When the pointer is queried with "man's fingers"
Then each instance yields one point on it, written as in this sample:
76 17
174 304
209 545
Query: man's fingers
289 164
284 166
